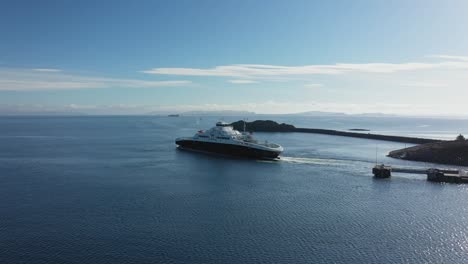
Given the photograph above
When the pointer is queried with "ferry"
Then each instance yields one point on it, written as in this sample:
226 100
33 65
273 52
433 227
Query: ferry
224 139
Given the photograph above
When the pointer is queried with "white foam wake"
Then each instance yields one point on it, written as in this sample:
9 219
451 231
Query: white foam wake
315 161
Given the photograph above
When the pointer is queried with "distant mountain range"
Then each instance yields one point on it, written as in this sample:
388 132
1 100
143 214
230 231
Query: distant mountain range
221 113
247 113
207 113
338 114
320 113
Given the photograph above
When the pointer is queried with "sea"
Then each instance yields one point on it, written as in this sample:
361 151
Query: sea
115 189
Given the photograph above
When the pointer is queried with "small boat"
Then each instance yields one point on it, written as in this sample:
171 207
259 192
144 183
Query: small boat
223 139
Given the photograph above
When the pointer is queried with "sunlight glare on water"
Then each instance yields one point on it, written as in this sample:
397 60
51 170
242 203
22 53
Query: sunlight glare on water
72 188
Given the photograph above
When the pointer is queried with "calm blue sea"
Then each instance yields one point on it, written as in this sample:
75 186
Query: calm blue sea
116 190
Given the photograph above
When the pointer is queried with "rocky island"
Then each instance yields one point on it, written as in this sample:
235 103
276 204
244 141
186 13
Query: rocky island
445 152
262 126
359 129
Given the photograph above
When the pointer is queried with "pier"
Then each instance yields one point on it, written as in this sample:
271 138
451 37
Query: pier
433 174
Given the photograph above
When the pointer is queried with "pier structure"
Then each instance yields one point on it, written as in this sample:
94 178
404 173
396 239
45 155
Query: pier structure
433 174
382 171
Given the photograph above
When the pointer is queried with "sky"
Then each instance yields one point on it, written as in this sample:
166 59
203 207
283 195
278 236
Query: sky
134 57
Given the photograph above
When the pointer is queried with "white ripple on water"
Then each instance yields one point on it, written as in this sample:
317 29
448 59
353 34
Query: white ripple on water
321 161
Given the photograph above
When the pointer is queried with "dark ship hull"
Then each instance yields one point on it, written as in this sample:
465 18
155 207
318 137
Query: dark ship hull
227 149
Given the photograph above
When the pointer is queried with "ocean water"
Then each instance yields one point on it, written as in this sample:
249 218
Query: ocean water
116 190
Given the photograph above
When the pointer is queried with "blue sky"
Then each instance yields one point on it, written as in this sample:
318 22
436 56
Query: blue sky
403 57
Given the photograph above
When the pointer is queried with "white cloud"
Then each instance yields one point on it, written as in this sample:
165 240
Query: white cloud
245 71
47 70
242 81
313 85
424 84
449 57
252 71
48 79
81 107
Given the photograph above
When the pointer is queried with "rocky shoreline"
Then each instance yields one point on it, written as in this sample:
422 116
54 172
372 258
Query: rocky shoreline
447 152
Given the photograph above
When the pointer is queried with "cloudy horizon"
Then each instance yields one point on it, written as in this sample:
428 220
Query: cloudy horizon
407 59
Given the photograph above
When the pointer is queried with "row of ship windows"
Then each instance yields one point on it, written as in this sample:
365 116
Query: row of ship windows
202 136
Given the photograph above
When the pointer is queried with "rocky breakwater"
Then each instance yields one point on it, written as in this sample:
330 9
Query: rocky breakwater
446 152
272 126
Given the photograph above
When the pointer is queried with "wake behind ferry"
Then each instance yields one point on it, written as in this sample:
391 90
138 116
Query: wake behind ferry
223 139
